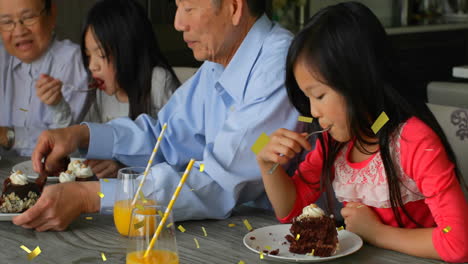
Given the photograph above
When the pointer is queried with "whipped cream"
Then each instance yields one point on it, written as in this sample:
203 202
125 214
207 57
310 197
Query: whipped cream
83 171
67 176
311 211
74 165
18 178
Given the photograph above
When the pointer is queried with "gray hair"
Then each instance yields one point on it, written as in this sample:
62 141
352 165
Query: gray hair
256 7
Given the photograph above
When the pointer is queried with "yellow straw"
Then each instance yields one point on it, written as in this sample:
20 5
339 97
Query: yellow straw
169 207
150 161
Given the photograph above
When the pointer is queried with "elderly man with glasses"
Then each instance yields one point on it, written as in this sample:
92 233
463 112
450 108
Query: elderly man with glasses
41 79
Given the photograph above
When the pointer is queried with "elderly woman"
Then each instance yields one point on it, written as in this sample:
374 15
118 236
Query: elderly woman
43 83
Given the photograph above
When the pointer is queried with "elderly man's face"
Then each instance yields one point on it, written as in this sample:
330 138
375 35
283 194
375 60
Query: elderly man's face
207 29
26 42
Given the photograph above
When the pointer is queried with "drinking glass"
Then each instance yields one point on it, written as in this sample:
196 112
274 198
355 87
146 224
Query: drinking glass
128 180
143 225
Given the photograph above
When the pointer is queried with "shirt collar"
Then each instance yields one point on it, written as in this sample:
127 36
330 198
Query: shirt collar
237 72
36 65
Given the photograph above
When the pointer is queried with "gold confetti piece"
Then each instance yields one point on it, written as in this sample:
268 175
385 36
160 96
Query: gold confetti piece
181 228
340 228
160 213
202 167
25 249
313 251
24 110
241 262
89 218
247 224
380 122
139 225
447 229
34 253
204 231
429 150
298 236
100 194
140 207
261 255
106 180
196 242
268 247
359 206
169 225
260 143
232 225
103 257
305 119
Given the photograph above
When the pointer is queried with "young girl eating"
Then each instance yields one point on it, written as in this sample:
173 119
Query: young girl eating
120 49
400 184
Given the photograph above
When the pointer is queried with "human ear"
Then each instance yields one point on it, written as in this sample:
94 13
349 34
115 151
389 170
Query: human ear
53 15
237 11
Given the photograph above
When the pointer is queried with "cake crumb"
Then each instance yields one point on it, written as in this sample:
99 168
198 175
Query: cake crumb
274 252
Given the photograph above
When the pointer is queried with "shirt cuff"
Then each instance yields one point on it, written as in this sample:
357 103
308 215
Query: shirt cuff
101 141
108 189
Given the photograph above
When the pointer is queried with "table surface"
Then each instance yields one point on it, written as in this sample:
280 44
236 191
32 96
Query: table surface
85 240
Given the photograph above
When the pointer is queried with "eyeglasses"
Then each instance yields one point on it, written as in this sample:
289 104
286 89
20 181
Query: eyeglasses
28 20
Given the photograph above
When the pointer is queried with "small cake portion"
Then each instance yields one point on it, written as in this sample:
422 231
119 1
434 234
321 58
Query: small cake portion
18 194
81 171
67 176
313 233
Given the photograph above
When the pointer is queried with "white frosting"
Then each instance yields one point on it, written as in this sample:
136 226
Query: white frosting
67 176
83 171
18 178
74 165
311 211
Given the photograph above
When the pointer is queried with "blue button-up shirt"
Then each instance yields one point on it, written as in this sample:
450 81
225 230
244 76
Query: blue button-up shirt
215 118
21 109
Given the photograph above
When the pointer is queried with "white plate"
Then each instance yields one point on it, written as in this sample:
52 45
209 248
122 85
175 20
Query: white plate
272 238
7 217
27 168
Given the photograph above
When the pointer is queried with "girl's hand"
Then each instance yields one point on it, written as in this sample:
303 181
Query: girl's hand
285 142
49 90
361 220
104 168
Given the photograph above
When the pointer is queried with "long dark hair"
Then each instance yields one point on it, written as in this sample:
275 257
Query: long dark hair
127 37
348 47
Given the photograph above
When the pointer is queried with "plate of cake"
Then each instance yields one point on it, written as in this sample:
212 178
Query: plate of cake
74 169
19 194
312 237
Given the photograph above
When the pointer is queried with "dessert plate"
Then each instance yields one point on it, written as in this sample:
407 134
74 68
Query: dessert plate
27 168
7 217
270 238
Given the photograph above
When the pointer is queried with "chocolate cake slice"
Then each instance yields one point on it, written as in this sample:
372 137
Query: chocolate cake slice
18 194
313 233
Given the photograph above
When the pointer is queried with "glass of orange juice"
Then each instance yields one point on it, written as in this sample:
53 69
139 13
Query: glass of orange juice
143 225
128 180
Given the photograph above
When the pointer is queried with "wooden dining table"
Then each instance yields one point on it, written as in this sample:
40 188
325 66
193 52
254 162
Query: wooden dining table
90 237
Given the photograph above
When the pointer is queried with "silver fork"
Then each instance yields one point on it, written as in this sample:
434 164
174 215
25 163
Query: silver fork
273 168
91 86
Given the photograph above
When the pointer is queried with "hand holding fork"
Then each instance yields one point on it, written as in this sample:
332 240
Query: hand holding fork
273 168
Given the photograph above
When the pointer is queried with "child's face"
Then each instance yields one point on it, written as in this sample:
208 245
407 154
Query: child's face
325 103
103 70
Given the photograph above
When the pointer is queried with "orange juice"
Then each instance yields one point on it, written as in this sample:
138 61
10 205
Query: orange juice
154 257
123 214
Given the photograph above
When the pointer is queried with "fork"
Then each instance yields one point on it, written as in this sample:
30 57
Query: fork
92 85
273 168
